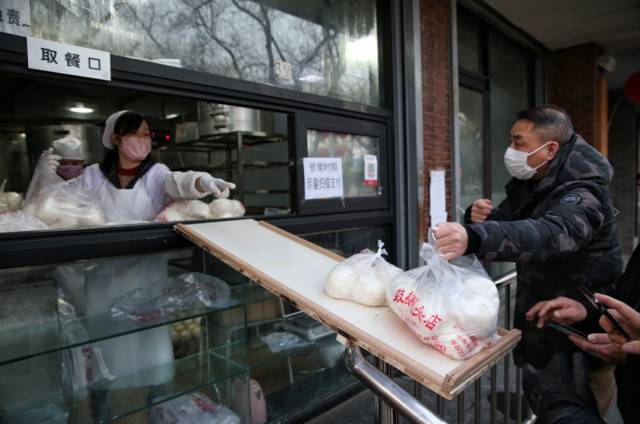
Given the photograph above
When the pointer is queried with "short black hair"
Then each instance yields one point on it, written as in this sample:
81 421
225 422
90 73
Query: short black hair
128 123
550 122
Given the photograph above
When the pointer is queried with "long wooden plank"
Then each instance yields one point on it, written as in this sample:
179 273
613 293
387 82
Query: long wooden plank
296 269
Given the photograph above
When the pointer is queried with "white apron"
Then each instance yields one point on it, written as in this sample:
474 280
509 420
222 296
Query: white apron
126 205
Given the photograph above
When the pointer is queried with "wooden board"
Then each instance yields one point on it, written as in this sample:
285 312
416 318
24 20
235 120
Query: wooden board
296 269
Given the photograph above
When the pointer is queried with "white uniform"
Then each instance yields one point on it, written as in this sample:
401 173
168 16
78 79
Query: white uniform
149 195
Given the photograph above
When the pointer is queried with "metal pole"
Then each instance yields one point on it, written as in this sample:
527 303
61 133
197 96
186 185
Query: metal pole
478 405
386 388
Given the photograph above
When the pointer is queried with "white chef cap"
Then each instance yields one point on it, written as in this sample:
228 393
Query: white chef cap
108 128
69 147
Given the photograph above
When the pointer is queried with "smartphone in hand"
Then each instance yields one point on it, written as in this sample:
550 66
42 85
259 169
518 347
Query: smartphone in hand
603 311
566 329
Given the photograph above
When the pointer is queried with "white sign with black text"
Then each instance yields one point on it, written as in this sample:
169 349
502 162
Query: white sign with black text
323 178
67 59
15 17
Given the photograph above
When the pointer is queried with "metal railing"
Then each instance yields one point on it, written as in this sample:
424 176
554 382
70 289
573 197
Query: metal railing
414 407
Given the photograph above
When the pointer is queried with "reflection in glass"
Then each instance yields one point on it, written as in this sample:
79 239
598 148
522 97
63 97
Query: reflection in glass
468 43
351 148
510 92
331 47
471 147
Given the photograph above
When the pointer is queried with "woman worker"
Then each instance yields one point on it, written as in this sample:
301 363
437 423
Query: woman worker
129 184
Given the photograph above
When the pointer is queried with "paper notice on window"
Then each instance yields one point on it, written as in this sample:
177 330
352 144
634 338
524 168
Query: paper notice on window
437 198
323 178
370 170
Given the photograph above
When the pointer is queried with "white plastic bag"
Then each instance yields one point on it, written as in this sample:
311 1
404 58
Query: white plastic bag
362 278
226 208
10 201
451 306
19 221
194 408
59 203
183 210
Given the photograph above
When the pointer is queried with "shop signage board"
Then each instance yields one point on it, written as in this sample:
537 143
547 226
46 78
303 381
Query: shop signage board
323 178
51 56
295 270
15 17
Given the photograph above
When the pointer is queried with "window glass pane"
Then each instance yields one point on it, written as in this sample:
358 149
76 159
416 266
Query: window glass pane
471 147
248 147
351 149
510 92
331 47
468 43
349 242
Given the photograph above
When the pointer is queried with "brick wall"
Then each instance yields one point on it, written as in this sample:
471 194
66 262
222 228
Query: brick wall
572 76
436 93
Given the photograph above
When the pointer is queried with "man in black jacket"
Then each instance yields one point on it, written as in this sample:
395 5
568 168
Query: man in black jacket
557 223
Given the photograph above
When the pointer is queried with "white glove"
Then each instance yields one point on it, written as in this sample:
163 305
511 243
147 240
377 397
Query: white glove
49 160
216 186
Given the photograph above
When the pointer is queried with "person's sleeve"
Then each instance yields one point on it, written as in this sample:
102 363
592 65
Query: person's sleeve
182 185
500 213
568 226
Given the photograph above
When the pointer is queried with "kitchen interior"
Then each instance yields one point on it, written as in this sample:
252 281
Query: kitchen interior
249 147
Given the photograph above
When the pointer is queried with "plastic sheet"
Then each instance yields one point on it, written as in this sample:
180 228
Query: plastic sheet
194 408
283 341
183 292
451 306
362 278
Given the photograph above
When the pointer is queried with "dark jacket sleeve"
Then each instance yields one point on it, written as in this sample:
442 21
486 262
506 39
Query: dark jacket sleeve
564 229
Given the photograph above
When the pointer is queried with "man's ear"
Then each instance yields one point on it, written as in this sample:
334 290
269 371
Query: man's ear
552 150
115 139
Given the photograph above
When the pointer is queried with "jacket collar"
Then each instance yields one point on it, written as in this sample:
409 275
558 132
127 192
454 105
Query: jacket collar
109 167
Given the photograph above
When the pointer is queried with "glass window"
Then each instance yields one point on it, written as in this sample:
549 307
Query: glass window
351 149
319 47
510 92
110 338
469 43
249 147
472 163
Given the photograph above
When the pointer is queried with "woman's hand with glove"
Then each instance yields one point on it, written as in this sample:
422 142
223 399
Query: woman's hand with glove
216 186
49 160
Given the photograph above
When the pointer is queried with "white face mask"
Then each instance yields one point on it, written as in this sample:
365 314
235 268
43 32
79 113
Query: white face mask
517 165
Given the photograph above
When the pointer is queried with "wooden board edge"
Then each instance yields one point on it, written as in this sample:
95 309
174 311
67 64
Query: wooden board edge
457 380
450 386
301 241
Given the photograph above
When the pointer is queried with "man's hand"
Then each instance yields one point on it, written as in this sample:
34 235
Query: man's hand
628 317
451 239
480 210
600 346
561 309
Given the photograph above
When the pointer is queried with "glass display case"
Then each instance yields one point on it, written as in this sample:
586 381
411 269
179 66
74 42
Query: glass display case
134 338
